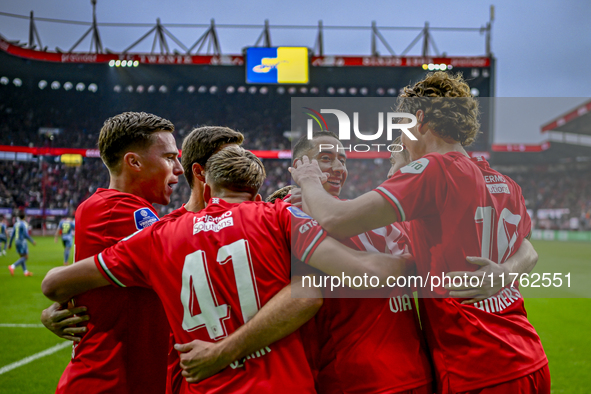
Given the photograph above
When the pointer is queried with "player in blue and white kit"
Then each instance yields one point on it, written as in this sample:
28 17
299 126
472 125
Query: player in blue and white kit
3 236
66 228
20 235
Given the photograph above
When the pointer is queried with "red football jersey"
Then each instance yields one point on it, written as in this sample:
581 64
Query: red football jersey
371 345
126 344
460 207
174 379
213 270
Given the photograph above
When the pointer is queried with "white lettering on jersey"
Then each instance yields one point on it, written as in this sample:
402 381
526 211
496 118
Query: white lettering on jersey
416 167
400 303
212 223
503 299
212 226
257 354
308 225
494 178
498 188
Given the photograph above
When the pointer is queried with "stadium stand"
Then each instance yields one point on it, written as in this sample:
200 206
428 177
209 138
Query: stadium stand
205 94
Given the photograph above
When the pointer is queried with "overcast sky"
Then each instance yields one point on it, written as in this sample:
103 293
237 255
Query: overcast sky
543 48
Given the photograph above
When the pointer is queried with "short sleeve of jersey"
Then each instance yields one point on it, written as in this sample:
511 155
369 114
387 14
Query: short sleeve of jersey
132 215
389 239
306 234
127 263
417 190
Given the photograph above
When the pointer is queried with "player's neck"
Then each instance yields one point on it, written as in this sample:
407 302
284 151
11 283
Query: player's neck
195 203
436 144
233 197
123 184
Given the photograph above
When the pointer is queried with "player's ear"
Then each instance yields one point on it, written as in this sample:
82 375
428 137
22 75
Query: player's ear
421 121
420 115
206 193
198 171
132 160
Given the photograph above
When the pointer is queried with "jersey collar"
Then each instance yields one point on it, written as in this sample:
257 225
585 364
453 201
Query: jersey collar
220 202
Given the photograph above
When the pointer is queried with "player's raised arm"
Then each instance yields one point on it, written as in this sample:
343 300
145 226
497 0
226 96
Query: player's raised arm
62 283
336 259
287 311
341 219
522 262
311 244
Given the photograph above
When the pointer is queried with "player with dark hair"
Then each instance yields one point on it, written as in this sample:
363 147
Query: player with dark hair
197 148
65 228
218 268
332 161
456 207
125 345
278 318
20 236
372 342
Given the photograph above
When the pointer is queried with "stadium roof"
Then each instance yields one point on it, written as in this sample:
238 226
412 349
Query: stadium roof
576 121
549 152
208 43
569 141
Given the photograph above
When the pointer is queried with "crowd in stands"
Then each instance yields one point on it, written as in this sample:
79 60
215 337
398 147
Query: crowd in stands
26 184
22 184
22 115
567 189
263 121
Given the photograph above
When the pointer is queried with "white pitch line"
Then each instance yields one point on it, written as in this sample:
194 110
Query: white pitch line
21 325
34 357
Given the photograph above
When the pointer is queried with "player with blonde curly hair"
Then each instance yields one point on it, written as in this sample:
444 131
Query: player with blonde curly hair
455 207
447 105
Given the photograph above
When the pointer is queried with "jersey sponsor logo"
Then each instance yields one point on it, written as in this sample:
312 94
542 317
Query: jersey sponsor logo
498 188
416 167
144 217
298 213
308 225
494 178
212 225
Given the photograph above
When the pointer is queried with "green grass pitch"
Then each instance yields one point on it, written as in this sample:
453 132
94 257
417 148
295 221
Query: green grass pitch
564 324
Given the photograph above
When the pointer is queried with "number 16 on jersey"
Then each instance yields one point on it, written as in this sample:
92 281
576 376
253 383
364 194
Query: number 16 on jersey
505 236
